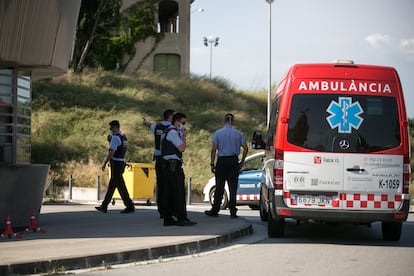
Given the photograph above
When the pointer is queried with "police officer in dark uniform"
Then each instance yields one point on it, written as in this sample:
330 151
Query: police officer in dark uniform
158 130
116 158
226 145
173 145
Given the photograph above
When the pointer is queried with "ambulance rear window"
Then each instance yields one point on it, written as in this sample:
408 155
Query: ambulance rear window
344 123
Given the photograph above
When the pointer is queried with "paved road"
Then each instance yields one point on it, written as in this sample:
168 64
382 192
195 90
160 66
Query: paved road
307 249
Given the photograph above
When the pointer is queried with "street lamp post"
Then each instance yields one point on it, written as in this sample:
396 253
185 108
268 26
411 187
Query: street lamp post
197 10
212 41
269 91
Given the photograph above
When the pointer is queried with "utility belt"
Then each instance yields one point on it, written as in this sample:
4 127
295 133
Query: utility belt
228 157
117 162
232 158
173 165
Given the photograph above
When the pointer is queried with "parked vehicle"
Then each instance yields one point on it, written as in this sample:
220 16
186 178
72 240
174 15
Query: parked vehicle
248 188
337 148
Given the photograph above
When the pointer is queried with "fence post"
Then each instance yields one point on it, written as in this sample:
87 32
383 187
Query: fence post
189 191
98 186
70 187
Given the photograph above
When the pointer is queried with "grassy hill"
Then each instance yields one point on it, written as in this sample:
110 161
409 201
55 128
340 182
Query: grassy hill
71 115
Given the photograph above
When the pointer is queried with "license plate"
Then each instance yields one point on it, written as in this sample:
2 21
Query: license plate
312 200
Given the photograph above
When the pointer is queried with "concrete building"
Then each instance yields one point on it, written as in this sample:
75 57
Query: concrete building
172 54
36 40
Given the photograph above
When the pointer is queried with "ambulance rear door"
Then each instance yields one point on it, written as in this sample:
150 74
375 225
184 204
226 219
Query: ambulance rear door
342 152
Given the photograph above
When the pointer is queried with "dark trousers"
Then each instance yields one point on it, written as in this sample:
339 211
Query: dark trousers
160 184
117 182
174 191
227 168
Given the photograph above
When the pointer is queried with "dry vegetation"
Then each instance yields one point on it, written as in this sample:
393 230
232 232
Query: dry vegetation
71 115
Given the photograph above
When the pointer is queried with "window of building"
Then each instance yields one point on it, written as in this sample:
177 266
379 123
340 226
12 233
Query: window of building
168 17
167 63
15 117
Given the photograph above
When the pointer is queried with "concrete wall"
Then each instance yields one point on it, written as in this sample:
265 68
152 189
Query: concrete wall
21 192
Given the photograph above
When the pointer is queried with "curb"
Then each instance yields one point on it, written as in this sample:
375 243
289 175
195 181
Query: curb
139 255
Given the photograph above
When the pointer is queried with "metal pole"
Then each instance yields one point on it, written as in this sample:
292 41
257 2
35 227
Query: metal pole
189 192
211 57
269 92
70 187
98 187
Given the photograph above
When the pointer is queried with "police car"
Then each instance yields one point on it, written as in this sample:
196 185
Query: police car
248 187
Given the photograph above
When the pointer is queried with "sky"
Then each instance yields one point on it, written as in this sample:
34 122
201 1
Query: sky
377 32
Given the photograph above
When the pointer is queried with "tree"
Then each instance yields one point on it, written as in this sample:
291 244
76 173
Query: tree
104 36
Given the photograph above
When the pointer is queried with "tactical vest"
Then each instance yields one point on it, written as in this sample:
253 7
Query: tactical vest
167 147
121 149
158 133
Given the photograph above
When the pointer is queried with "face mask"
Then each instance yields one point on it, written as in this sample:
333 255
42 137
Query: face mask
181 127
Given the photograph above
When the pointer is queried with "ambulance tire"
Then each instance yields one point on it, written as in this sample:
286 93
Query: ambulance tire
262 210
275 227
224 201
391 231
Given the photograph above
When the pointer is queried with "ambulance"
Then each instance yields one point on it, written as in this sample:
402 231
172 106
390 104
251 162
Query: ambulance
337 148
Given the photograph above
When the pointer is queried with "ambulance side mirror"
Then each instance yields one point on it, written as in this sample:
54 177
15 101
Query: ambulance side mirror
257 140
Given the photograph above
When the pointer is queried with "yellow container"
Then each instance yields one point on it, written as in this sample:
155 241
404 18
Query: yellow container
139 180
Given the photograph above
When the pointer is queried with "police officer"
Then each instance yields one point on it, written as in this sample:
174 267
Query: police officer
226 144
173 144
116 158
158 130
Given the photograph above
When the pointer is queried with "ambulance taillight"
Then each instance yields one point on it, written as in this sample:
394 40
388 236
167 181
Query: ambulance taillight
406 175
278 170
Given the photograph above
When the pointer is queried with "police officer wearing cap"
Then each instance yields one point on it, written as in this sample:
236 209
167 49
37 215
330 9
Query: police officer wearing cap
226 145
118 144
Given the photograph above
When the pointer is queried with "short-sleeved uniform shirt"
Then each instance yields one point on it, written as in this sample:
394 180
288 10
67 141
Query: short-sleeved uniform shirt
228 141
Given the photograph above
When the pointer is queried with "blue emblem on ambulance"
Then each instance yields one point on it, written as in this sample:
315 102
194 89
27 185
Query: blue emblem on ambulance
344 115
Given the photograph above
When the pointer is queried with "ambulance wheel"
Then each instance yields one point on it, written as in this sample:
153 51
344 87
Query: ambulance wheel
262 210
224 201
391 231
275 227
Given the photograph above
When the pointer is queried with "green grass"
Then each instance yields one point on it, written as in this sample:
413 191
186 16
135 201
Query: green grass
71 115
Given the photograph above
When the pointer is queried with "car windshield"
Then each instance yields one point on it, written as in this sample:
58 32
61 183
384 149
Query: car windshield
344 123
253 164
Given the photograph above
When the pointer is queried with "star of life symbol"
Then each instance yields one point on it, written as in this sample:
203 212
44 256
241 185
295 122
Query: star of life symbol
344 115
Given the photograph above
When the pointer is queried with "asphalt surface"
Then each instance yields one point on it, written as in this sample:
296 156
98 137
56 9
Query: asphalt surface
75 236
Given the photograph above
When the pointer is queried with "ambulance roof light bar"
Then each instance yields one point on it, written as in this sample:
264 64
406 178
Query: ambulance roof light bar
343 61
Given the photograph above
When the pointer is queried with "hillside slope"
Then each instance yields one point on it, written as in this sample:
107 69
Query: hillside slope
71 115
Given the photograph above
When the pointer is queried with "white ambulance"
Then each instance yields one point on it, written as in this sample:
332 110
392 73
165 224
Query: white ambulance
337 148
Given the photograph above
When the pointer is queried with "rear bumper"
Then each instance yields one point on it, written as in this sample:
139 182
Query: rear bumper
247 202
278 209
